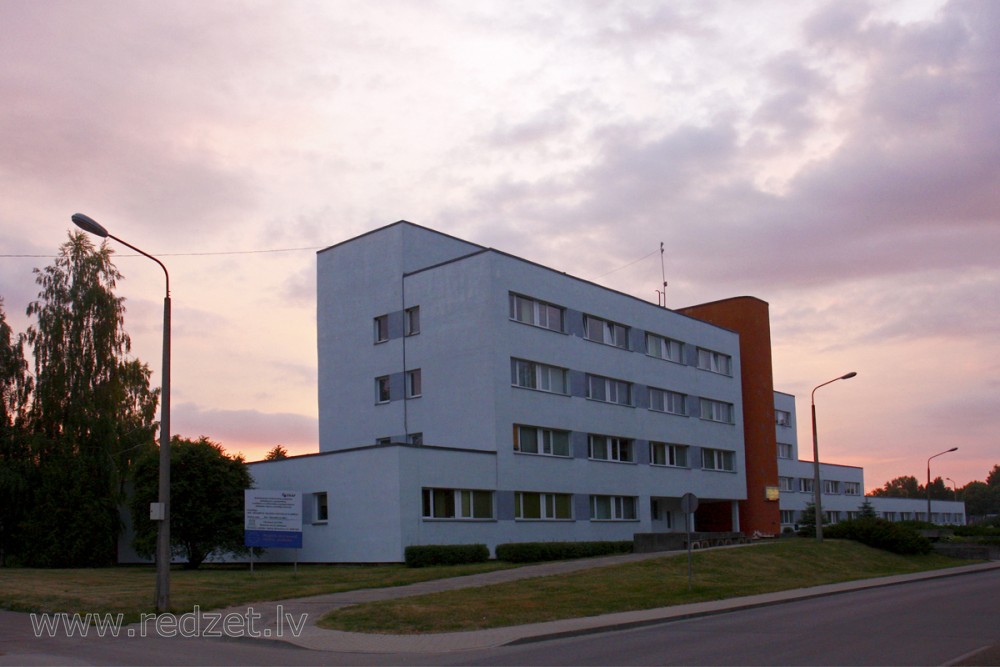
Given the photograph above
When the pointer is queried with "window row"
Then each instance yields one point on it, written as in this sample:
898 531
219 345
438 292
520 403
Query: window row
554 442
528 505
528 310
412 386
411 439
555 379
411 324
830 486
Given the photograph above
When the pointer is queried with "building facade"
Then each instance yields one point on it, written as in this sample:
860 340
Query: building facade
470 396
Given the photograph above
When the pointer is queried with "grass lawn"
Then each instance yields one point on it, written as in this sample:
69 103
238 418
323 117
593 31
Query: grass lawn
129 590
661 582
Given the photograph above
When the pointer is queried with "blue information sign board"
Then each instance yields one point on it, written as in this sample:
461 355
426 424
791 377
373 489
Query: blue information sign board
272 519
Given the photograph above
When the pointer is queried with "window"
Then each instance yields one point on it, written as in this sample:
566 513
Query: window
787 516
543 506
536 313
786 484
833 516
412 319
831 486
413 383
382 389
716 411
852 515
383 441
663 400
532 375
610 448
320 508
715 361
609 390
534 440
457 504
415 439
381 328
718 459
612 508
605 331
889 516
783 418
664 348
852 488
662 454
806 485
784 451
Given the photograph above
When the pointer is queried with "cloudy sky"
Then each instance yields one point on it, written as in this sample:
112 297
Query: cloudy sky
840 160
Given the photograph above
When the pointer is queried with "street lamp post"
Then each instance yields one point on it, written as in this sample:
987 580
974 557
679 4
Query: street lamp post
817 491
947 451
90 225
954 487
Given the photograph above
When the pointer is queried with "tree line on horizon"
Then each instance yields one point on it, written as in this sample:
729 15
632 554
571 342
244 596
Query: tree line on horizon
78 432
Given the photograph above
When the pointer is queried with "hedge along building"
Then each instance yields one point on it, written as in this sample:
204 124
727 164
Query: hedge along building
470 396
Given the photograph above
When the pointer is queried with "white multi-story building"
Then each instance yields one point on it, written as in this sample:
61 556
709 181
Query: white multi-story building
470 396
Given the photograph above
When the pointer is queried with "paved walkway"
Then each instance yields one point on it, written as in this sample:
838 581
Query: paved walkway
278 617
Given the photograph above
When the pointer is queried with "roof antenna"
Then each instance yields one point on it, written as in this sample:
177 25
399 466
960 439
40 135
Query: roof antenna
662 296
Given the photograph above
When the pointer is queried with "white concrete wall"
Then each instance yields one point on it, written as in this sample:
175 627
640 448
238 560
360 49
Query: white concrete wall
901 509
357 281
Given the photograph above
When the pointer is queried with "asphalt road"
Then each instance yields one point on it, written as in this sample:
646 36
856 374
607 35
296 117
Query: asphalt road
934 622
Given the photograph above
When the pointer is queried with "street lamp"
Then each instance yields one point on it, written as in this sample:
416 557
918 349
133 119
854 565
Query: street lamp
817 491
954 487
90 225
947 451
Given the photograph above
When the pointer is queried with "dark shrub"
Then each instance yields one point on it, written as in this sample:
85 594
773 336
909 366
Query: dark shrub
881 534
977 531
446 554
533 552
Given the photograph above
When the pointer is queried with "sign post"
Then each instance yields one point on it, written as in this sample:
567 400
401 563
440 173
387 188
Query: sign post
272 519
689 503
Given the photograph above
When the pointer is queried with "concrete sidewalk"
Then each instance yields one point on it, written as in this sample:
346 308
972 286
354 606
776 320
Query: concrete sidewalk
277 617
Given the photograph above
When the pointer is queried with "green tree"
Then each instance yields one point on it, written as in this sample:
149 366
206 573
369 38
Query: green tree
206 500
807 522
993 478
978 498
866 510
15 452
91 409
277 453
900 487
939 491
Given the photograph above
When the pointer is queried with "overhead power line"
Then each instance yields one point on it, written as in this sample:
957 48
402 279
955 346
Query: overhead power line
189 254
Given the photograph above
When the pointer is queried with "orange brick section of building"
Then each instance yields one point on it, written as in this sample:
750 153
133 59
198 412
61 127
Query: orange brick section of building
748 316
